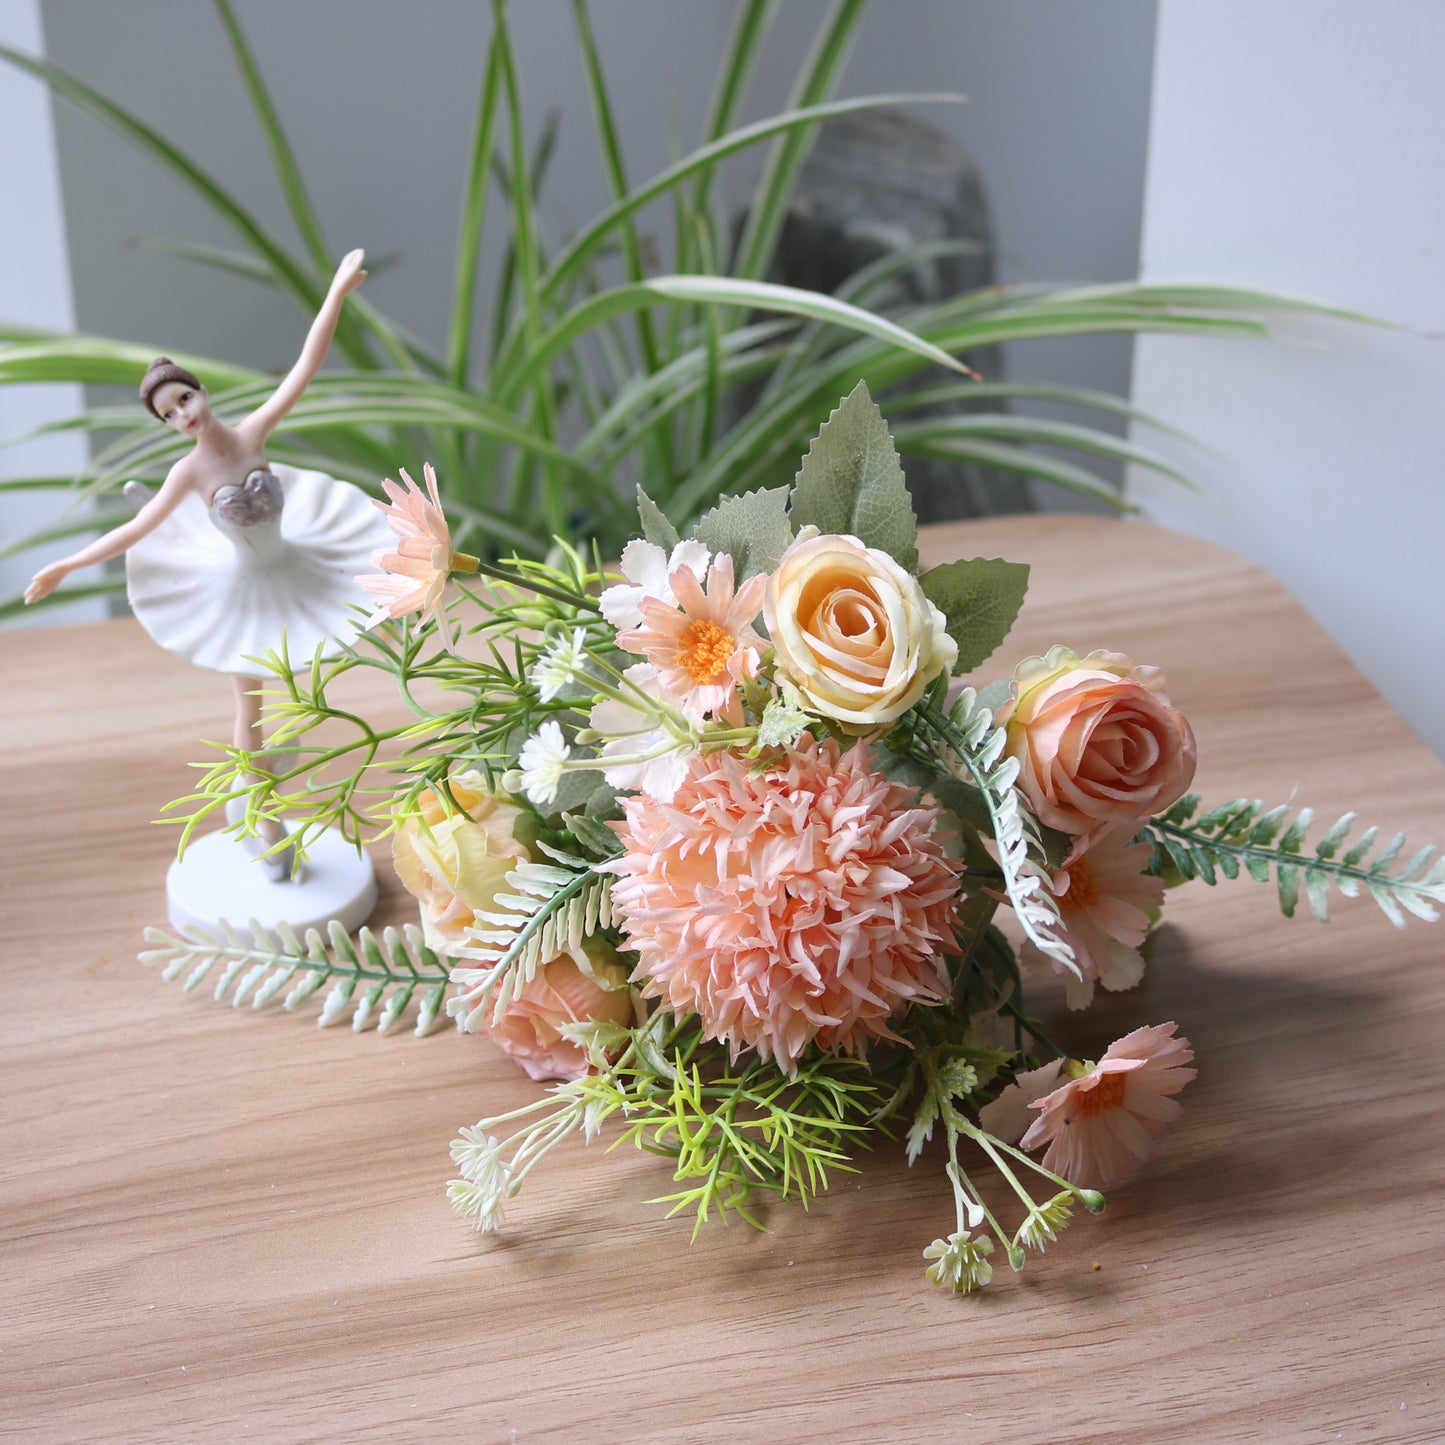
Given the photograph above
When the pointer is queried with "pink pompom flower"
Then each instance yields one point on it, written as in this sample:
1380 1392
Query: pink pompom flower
808 903
1103 1122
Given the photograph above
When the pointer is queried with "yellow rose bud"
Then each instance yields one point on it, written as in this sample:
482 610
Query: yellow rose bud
852 630
455 865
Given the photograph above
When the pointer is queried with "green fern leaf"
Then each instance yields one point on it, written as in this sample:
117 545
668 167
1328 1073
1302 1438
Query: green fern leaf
552 907
971 747
257 964
1240 835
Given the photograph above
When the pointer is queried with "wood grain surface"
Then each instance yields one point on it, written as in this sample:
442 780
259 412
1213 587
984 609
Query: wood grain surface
227 1224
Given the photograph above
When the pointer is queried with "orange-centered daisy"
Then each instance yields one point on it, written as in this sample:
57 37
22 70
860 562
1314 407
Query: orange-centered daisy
1100 1124
705 651
705 645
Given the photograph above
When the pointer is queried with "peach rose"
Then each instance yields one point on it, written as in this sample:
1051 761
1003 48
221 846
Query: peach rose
1097 743
587 985
456 864
852 630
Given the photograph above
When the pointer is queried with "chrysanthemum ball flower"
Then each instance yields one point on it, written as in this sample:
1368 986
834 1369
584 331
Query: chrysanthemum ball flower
805 904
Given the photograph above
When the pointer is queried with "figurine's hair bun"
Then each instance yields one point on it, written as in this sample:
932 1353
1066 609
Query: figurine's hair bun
158 373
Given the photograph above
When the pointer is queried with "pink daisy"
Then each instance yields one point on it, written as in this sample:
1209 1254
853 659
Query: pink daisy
705 646
805 904
414 577
1099 1125
1107 902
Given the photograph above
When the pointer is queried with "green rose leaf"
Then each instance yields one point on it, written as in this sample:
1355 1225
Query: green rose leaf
980 598
752 529
851 483
655 527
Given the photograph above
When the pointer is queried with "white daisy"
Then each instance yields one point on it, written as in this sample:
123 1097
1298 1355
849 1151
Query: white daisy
543 761
559 664
640 752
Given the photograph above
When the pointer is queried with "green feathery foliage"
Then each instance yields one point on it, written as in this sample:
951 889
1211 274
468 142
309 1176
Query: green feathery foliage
365 780
743 1129
1242 835
730 1131
257 964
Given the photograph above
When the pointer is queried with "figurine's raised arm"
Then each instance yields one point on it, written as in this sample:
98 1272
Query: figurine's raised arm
269 415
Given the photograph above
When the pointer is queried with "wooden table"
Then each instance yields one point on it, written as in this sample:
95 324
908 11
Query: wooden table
221 1224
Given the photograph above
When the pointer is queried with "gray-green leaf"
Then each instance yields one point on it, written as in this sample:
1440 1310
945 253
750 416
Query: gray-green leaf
981 600
851 483
752 529
655 527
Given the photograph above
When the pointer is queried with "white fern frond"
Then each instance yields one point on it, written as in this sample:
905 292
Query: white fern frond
256 964
971 747
551 909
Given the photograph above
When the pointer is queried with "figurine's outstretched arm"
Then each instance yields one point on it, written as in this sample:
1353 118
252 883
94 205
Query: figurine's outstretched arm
118 539
269 415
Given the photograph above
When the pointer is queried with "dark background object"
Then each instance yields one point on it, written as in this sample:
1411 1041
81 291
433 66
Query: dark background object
880 184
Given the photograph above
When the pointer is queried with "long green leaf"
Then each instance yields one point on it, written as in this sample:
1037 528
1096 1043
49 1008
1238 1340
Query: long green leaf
1042 433
524 234
610 149
100 521
716 290
774 190
94 361
749 29
1005 458
951 393
36 484
283 159
469 235
1216 298
234 263
13 607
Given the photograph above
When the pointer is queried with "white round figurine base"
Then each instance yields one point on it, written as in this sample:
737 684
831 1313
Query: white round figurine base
219 879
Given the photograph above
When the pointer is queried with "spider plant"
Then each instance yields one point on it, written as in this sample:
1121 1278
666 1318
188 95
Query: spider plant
576 388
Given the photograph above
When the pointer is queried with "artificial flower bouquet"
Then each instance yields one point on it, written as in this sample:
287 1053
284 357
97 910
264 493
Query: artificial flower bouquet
720 848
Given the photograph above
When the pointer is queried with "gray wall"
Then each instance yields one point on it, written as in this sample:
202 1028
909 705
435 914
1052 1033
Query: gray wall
377 100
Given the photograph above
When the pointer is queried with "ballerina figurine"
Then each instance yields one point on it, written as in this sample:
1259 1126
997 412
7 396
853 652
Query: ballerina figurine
233 558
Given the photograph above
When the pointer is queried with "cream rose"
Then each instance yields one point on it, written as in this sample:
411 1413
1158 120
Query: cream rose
853 632
456 864
1097 743
587 985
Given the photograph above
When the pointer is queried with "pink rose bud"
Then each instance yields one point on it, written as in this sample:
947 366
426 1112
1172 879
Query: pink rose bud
1097 743
585 986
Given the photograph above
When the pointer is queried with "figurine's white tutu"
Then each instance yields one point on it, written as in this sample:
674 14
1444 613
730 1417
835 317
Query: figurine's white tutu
219 585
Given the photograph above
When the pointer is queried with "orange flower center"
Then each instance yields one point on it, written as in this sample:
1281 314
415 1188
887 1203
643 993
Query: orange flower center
705 651
1107 1093
1083 891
